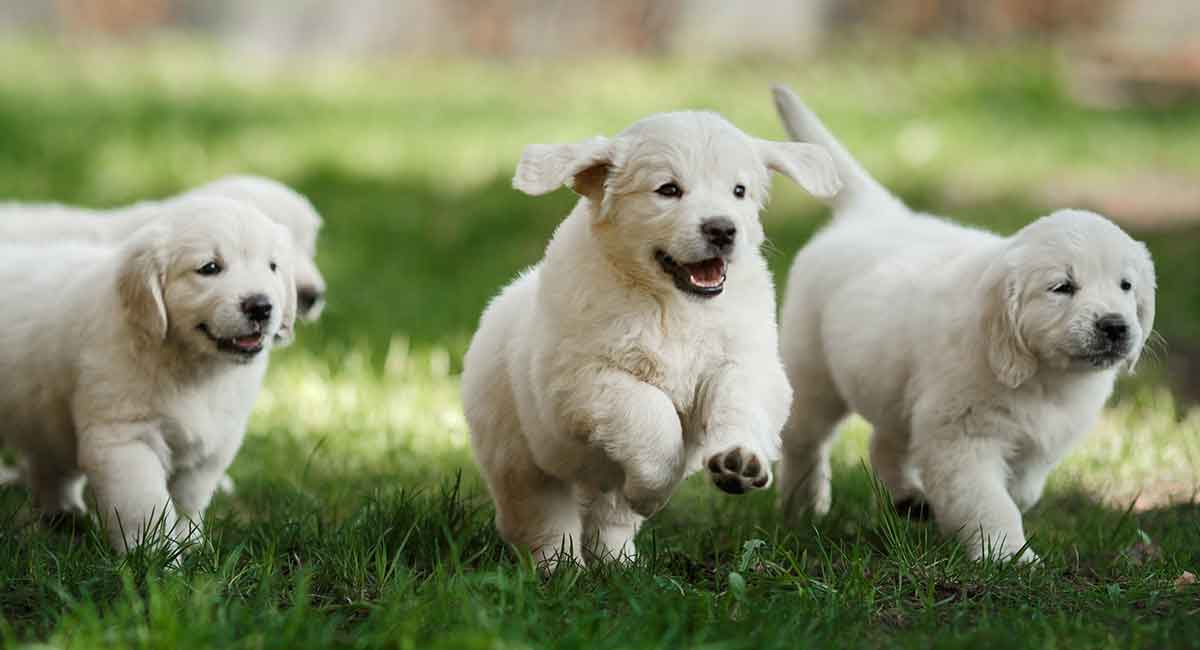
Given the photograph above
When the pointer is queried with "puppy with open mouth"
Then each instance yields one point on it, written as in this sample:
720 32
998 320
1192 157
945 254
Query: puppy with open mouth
135 366
978 359
643 346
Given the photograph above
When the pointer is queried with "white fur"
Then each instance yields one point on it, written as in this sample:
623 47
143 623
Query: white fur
108 376
45 222
594 384
950 341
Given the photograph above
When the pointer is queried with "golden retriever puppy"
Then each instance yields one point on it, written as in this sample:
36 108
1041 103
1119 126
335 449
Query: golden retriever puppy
979 359
643 346
46 222
136 365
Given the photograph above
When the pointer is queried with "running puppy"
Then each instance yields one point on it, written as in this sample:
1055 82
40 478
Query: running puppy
37 223
136 366
643 346
979 359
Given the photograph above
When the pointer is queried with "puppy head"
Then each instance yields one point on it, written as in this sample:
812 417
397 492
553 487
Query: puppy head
213 276
292 210
675 197
1072 292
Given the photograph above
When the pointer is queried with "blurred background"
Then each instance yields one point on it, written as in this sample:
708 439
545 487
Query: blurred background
403 120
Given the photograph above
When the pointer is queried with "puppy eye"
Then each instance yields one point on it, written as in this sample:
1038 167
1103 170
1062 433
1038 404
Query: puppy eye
1064 288
1126 285
211 268
273 267
669 190
739 191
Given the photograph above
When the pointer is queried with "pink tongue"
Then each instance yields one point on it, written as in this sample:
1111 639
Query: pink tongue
247 342
708 273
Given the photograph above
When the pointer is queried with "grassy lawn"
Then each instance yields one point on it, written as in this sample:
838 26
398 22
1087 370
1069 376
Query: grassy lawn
359 519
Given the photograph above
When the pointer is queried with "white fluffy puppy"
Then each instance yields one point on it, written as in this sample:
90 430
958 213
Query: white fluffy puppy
979 359
47 222
644 344
137 365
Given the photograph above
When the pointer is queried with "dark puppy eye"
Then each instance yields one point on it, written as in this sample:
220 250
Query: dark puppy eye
669 189
1126 285
1064 288
211 268
273 267
739 191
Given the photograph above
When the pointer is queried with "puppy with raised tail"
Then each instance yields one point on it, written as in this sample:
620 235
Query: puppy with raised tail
136 365
979 359
643 346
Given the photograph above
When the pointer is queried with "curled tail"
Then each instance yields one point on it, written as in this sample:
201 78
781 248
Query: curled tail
859 190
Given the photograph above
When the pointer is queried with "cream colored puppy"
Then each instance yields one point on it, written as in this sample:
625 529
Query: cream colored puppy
46 222
643 346
136 366
979 359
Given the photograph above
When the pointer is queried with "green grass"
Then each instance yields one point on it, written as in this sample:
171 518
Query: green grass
360 520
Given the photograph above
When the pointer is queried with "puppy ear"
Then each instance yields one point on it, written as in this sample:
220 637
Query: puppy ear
1010 359
809 165
286 268
1144 290
140 282
582 166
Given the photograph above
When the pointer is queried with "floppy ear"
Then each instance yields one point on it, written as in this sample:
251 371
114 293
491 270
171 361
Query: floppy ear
582 167
1009 357
140 283
809 165
287 324
1144 292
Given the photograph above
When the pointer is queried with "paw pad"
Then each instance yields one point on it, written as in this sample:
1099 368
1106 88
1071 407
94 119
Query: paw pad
738 470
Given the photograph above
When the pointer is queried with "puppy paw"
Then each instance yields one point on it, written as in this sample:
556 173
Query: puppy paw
913 508
738 470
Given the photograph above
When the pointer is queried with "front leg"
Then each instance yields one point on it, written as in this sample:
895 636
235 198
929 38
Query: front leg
637 427
129 483
192 489
1028 484
966 484
742 417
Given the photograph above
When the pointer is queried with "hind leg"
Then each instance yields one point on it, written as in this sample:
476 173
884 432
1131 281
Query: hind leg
534 510
804 471
609 526
889 459
55 489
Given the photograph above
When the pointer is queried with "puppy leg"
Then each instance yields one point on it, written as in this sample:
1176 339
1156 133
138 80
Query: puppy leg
636 426
609 527
805 473
743 415
191 491
129 483
55 488
889 459
1027 485
533 510
966 483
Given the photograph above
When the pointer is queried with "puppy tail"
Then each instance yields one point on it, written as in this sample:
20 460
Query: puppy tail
859 189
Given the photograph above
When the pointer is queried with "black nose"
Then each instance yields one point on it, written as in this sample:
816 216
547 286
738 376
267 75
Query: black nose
307 297
719 231
257 308
1113 327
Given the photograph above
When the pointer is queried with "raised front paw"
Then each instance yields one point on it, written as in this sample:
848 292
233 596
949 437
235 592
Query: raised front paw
738 470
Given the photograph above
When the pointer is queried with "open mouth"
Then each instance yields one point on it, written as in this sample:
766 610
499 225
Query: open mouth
705 278
245 345
1105 358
